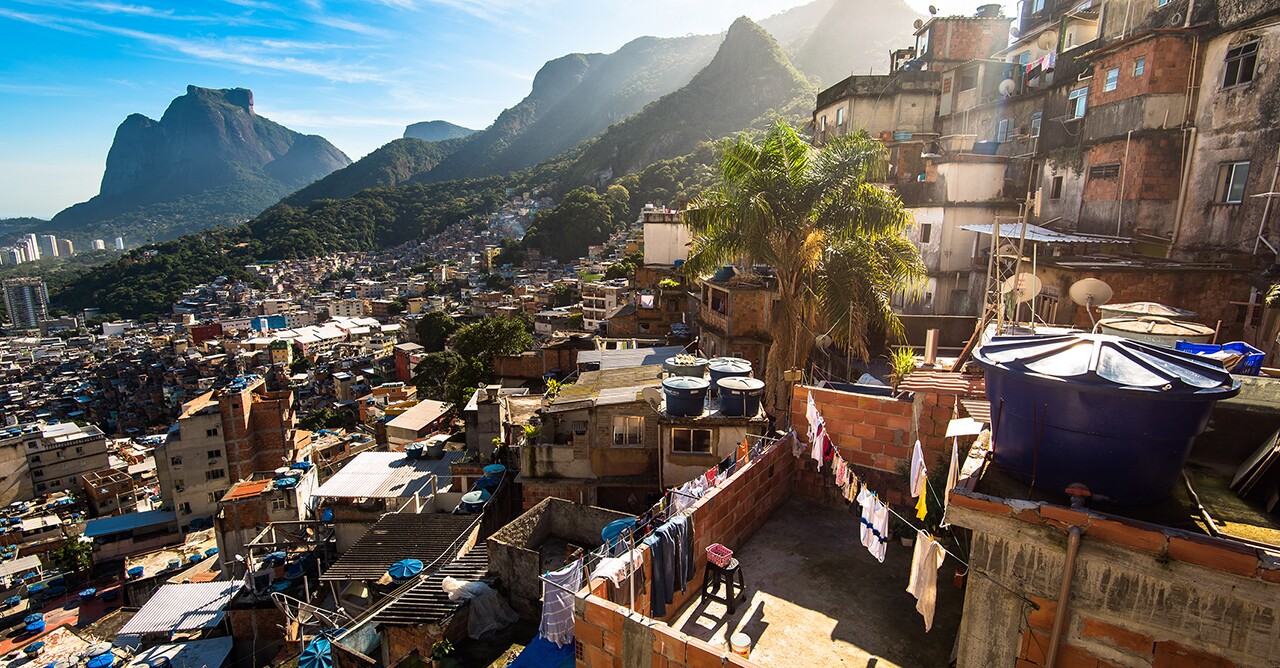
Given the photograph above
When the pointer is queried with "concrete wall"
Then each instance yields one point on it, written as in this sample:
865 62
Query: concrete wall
186 462
665 242
1142 595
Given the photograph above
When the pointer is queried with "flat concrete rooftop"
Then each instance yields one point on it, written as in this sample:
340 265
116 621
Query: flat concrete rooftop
816 597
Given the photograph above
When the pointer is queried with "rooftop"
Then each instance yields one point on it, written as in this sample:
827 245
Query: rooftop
182 607
104 526
424 413
194 653
609 385
384 475
422 536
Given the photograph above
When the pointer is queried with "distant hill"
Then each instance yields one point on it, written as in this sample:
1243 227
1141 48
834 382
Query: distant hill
436 131
830 52
391 165
749 80
209 160
576 97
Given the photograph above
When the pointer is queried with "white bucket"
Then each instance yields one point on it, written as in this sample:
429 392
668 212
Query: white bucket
740 644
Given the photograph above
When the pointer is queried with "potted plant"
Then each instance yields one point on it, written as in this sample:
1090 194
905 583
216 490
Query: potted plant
439 651
905 532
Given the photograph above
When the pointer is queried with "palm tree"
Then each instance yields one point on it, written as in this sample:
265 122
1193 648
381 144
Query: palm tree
835 240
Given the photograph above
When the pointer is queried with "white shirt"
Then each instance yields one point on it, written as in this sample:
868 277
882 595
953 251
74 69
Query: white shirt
926 560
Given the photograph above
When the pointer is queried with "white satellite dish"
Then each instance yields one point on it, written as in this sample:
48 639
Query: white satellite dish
654 397
1047 40
1024 287
1090 292
1008 87
822 341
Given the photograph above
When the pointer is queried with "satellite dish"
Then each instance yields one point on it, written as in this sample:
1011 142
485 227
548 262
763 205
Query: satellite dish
1008 87
1024 287
1014 31
653 396
1047 40
933 11
1089 292
918 24
822 341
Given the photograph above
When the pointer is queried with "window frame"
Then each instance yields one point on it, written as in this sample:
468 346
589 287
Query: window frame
692 442
1244 51
1056 187
1077 101
839 116
1111 80
628 430
1002 130
1036 120
1227 182
1139 66
926 232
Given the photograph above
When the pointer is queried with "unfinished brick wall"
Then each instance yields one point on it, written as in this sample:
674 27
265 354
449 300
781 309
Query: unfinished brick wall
1166 64
967 38
607 637
875 435
1142 594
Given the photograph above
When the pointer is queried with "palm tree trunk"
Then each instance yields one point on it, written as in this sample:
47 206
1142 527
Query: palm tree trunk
788 350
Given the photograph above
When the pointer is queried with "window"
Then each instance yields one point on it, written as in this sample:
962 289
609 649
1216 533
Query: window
578 426
627 430
1110 171
1037 6
840 116
38 473
690 440
175 461
278 505
1035 123
1112 80
35 459
1055 190
1231 180
56 483
926 231
1077 101
215 474
79 450
1002 131
1139 66
214 454
211 432
1241 62
213 497
968 81
822 123
185 507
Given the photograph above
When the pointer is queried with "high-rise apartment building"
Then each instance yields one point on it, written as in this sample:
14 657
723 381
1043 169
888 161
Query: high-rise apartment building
119 243
33 247
99 244
66 248
26 300
48 245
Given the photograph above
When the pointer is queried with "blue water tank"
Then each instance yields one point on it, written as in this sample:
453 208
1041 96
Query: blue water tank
740 396
696 368
685 395
494 471
727 367
414 450
1116 415
487 484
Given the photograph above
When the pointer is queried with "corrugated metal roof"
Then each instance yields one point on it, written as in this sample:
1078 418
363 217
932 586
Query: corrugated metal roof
1045 235
619 359
424 413
978 409
427 602
19 565
108 525
943 382
425 537
208 653
182 607
382 475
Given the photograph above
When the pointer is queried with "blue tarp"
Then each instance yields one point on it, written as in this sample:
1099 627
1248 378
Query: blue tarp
542 653
105 526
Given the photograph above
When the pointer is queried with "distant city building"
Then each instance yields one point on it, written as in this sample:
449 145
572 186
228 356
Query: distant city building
99 244
26 300
32 246
66 248
14 255
48 246
119 243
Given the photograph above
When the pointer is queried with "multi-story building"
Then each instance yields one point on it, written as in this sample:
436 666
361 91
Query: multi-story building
32 245
734 314
601 299
119 243
48 245
99 244
59 455
66 248
26 300
221 437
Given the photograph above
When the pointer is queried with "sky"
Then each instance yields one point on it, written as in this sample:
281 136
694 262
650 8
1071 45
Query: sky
354 72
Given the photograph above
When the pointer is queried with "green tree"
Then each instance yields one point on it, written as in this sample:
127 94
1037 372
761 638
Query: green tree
494 336
561 294
434 329
582 218
74 555
300 362
619 199
835 240
432 373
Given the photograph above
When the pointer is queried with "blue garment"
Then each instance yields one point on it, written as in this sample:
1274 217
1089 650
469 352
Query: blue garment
681 528
662 558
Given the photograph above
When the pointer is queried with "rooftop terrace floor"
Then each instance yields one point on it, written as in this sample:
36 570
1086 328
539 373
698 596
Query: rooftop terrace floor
816 597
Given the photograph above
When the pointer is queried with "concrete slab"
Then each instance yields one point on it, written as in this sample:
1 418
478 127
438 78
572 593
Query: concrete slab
815 597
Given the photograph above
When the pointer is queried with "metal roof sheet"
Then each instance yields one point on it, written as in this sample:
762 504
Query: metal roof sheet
108 525
208 653
422 536
1045 235
181 607
620 359
381 475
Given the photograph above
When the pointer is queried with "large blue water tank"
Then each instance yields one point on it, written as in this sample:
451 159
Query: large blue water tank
1116 415
727 367
685 395
740 396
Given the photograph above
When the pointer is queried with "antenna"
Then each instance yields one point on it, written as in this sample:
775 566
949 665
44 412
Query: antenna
1024 287
1090 292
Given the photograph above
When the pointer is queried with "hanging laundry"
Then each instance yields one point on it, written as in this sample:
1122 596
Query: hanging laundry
919 481
557 603
953 479
662 556
744 450
811 414
923 584
874 528
842 471
819 438
616 569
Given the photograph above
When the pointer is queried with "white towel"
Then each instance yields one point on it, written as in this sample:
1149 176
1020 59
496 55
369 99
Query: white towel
923 584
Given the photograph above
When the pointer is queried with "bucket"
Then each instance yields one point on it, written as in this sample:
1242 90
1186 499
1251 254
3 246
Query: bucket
740 644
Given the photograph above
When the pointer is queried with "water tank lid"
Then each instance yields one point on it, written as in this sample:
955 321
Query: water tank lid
1146 308
476 496
1157 325
1105 360
741 384
686 383
495 469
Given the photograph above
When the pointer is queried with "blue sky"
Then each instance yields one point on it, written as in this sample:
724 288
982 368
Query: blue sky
354 72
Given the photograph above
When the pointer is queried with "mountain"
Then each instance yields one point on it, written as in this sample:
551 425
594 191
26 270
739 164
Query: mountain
436 131
209 160
393 164
830 53
568 105
748 81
